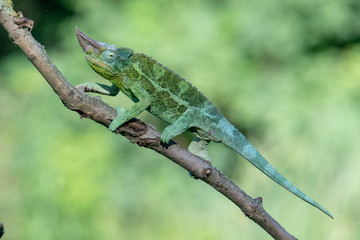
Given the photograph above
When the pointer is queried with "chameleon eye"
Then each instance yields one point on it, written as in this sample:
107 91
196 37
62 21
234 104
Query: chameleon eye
108 56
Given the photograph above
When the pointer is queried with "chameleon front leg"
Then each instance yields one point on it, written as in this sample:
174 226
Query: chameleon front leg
125 115
112 90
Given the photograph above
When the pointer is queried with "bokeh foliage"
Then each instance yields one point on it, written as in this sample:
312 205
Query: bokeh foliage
286 73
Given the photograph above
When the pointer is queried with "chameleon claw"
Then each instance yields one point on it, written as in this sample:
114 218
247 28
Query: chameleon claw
113 127
85 87
81 87
165 140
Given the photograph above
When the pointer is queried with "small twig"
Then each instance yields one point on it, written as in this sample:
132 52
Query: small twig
23 22
136 131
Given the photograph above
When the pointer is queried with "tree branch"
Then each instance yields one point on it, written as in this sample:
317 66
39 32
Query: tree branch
136 131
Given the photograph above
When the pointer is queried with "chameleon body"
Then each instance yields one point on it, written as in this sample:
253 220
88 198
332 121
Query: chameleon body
166 95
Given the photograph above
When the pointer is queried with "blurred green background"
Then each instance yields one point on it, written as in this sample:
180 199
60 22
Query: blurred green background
286 73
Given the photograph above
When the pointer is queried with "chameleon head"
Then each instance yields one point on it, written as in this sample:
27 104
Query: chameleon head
105 59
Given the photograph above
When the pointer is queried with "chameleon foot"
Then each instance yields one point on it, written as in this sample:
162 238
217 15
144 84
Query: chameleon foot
198 147
118 120
170 132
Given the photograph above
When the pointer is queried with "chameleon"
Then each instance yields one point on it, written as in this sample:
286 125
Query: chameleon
166 95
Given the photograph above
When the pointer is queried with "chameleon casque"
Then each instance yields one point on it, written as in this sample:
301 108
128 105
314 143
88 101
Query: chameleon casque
168 96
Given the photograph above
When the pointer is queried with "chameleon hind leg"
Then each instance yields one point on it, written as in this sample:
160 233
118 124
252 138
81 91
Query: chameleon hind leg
185 121
199 147
192 117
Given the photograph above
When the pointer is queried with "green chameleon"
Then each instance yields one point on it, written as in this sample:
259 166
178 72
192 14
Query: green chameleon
166 95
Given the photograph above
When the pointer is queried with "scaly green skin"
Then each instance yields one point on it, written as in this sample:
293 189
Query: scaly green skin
166 95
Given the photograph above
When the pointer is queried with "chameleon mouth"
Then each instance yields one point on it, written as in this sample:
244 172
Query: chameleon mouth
86 42
99 67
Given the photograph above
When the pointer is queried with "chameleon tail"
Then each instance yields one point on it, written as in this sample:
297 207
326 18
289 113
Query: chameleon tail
240 144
